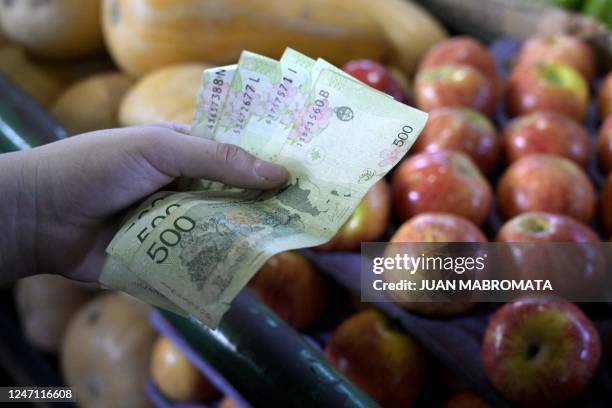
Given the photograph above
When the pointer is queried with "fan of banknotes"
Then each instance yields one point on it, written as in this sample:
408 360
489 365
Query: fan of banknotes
192 251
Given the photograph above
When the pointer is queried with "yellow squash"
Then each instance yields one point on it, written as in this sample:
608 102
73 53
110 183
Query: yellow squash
53 28
167 94
147 34
91 103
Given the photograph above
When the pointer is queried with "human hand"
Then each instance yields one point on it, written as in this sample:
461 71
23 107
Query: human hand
61 203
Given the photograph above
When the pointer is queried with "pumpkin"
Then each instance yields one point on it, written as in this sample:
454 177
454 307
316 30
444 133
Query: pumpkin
91 103
42 86
45 304
167 94
53 28
147 34
106 350
176 377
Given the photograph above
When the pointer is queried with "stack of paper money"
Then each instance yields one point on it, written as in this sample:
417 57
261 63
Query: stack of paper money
191 252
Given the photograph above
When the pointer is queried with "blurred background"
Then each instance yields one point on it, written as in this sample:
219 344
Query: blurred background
518 148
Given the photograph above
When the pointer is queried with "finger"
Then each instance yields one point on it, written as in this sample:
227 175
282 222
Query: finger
176 154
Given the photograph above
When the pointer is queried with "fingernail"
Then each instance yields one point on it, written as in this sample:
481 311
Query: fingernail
270 172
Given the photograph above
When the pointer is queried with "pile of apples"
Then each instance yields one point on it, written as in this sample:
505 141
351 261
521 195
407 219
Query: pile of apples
535 351
465 173
462 174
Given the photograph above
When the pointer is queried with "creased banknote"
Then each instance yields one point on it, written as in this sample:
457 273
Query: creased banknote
192 252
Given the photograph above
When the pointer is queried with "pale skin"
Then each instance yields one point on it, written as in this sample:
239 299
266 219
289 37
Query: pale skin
60 204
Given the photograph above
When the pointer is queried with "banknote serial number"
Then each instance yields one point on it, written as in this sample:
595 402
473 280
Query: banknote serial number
313 116
248 97
403 136
281 94
215 97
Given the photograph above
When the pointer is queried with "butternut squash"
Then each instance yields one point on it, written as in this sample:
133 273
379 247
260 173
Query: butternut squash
92 103
167 94
106 351
53 28
146 34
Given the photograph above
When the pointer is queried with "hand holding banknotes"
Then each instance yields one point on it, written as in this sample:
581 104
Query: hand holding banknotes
193 250
278 156
60 204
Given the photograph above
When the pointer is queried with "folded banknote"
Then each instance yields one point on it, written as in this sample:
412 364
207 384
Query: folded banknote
192 251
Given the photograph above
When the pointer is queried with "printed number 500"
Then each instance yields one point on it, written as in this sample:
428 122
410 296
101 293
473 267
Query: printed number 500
169 238
403 135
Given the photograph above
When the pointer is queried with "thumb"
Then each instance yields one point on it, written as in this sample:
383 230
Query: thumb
177 154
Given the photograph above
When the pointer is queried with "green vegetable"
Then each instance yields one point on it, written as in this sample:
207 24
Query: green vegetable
600 9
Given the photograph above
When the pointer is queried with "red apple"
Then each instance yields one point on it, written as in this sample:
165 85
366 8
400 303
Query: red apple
539 352
461 50
604 98
547 86
560 48
375 75
428 228
575 271
605 205
387 364
546 132
454 85
438 227
464 130
545 227
368 223
466 399
543 182
291 286
604 145
176 377
441 181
